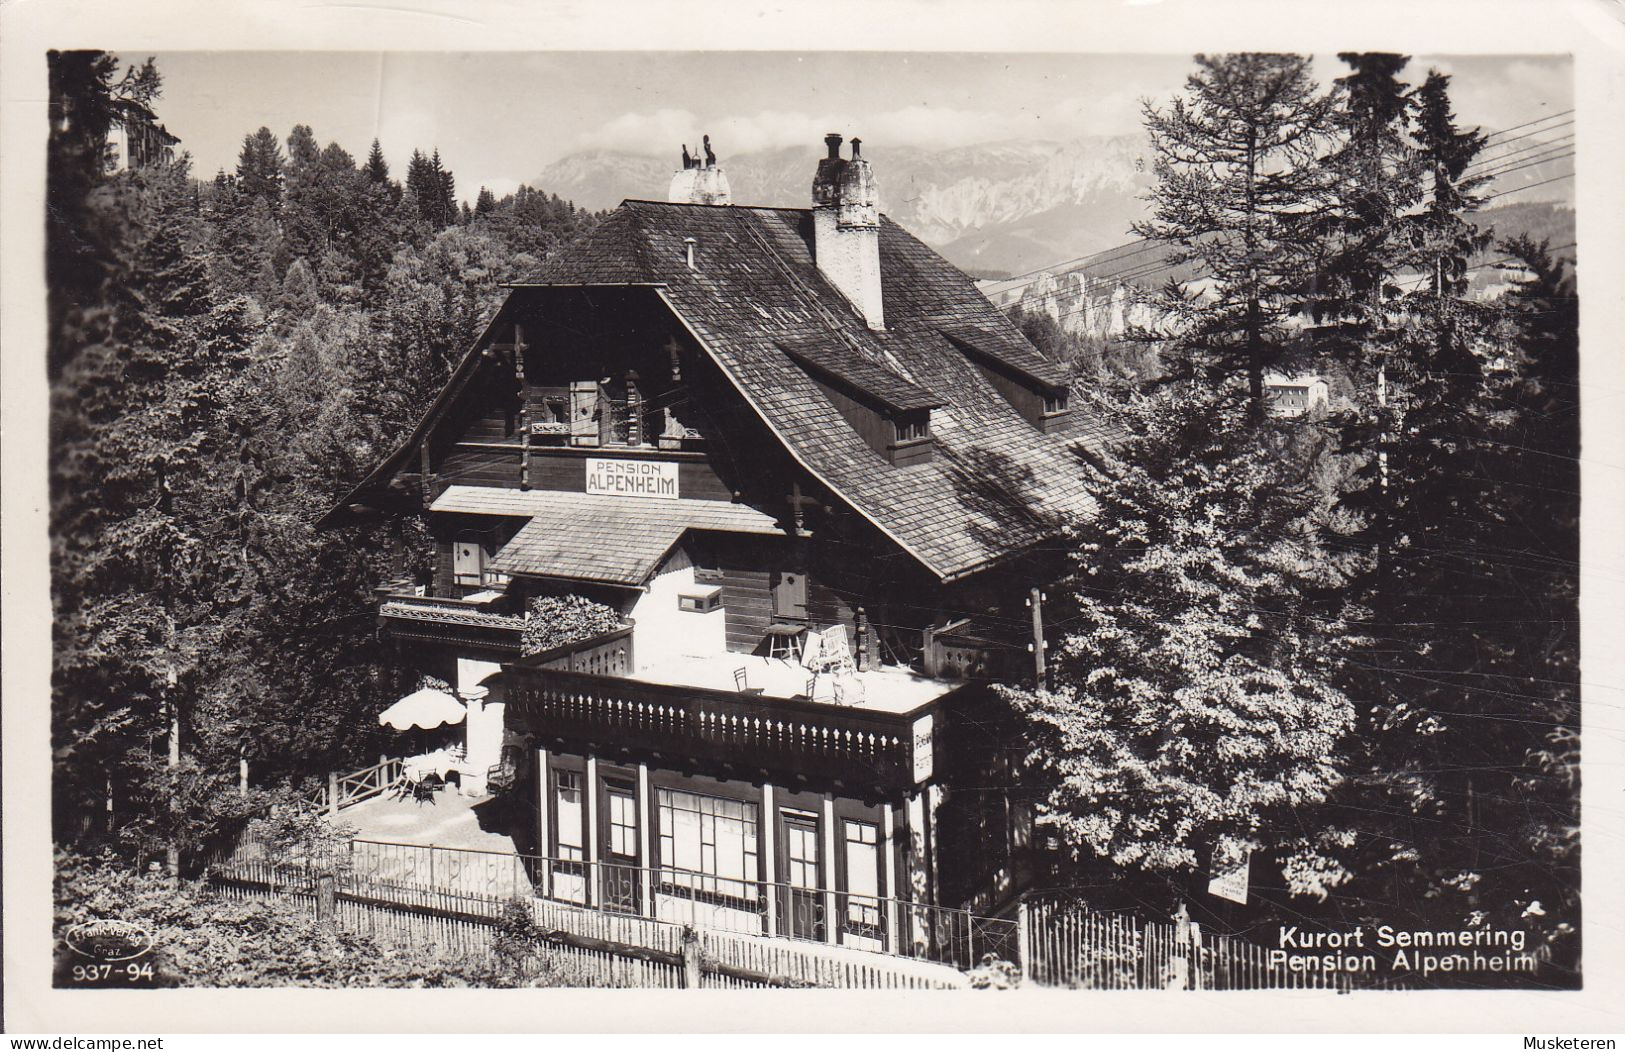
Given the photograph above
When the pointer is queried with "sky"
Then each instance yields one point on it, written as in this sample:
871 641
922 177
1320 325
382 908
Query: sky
499 118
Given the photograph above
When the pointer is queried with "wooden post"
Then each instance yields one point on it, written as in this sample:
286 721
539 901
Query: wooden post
332 792
1196 955
831 927
634 410
691 958
590 792
524 405
1179 966
242 774
770 859
1024 938
1035 600
326 899
892 855
544 840
863 640
645 810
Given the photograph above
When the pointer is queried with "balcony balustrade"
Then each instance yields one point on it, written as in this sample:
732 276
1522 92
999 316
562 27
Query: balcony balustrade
469 623
585 691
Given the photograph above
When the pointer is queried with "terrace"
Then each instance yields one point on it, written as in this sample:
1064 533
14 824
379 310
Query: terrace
872 727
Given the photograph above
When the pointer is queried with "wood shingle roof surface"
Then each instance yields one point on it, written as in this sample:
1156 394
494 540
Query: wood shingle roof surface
594 537
996 484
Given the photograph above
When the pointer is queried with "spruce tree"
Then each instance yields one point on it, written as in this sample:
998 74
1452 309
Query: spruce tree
260 168
1237 162
1196 712
377 168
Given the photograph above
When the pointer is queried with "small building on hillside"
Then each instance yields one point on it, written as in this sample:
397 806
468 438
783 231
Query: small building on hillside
135 138
1296 394
809 466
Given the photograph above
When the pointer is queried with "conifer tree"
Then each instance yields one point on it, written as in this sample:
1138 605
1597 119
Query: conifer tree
377 168
261 168
1196 712
1237 168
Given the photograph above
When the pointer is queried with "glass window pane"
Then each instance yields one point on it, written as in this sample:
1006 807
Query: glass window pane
862 859
568 796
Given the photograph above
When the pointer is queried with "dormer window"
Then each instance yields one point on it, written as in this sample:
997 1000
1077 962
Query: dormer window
887 410
913 430
1034 386
911 438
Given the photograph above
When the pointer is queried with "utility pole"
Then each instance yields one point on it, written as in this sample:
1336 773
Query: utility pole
1035 602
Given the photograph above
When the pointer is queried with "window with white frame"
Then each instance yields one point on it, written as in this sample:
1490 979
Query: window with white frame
862 843
708 844
567 806
623 822
800 849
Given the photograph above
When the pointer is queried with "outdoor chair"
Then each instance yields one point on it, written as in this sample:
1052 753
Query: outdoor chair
424 789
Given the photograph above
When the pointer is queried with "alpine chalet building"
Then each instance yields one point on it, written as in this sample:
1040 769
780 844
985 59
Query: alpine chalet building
814 470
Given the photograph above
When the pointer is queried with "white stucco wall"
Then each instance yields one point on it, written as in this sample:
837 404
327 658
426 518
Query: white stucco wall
663 631
484 723
849 256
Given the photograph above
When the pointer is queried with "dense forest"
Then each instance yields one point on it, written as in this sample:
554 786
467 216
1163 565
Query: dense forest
226 355
1340 649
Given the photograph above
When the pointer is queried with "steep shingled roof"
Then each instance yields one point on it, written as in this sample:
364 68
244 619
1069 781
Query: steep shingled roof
591 537
829 356
756 290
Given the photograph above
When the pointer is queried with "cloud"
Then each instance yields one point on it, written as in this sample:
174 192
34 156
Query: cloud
643 132
930 127
499 185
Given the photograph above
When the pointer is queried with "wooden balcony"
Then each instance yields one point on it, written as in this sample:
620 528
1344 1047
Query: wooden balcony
728 732
441 620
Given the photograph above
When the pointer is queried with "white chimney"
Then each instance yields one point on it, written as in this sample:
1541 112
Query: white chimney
699 181
846 229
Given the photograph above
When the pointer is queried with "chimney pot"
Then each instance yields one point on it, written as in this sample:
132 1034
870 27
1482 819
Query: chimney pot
846 229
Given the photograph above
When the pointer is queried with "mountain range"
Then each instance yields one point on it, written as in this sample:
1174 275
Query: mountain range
993 209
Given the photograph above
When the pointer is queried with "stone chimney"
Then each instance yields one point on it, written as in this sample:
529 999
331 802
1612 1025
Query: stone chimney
700 181
846 228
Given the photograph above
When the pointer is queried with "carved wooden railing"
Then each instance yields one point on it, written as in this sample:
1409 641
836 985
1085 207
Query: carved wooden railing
857 746
606 654
442 619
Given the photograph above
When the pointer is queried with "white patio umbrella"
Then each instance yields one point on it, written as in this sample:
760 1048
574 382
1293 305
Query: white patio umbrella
425 709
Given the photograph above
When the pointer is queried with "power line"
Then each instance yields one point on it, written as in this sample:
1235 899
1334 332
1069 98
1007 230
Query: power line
1487 167
1526 124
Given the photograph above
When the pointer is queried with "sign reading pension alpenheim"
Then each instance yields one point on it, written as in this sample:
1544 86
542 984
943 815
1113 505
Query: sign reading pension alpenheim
632 478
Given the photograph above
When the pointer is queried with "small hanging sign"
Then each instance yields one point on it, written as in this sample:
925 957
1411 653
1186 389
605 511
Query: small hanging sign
1230 883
